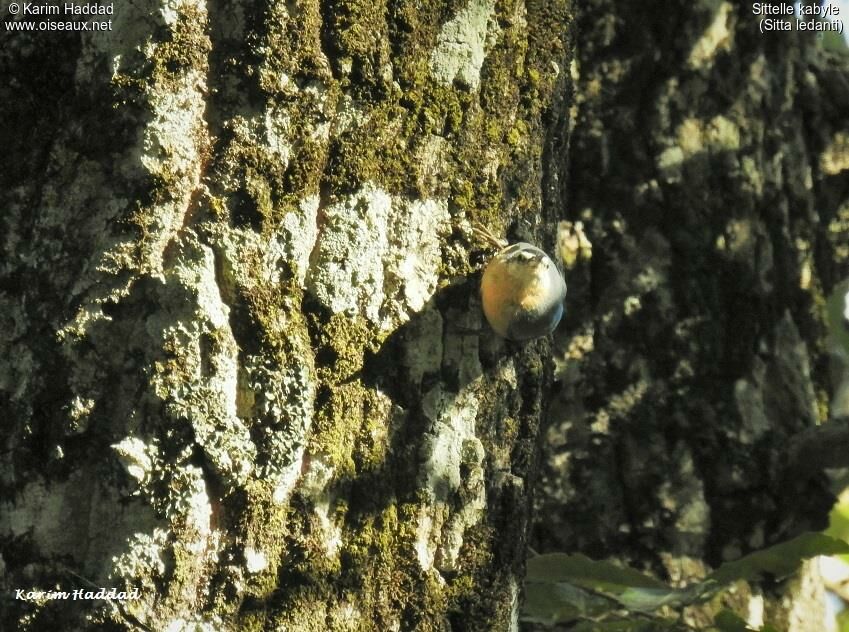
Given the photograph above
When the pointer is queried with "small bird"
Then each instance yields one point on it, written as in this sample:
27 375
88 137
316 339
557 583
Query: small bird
522 292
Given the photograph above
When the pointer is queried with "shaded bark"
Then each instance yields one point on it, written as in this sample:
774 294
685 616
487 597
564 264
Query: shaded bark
709 169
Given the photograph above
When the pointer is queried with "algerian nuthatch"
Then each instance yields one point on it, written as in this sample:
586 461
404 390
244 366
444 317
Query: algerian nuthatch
522 292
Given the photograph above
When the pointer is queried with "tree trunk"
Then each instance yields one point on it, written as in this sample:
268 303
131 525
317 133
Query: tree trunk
710 173
244 370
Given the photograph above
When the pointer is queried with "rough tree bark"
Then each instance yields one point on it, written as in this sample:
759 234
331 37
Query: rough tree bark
240 371
710 171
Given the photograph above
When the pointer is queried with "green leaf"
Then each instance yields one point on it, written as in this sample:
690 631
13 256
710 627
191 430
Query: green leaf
780 560
838 521
552 602
620 586
843 621
582 571
729 621
630 625
560 587
650 599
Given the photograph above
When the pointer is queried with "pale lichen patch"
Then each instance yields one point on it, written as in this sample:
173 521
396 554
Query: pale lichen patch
274 391
683 495
196 624
755 611
723 134
171 147
718 37
142 563
462 44
694 136
378 255
748 395
835 157
134 455
452 477
255 560
170 10
314 486
573 245
689 135
40 512
669 162
301 230
201 384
